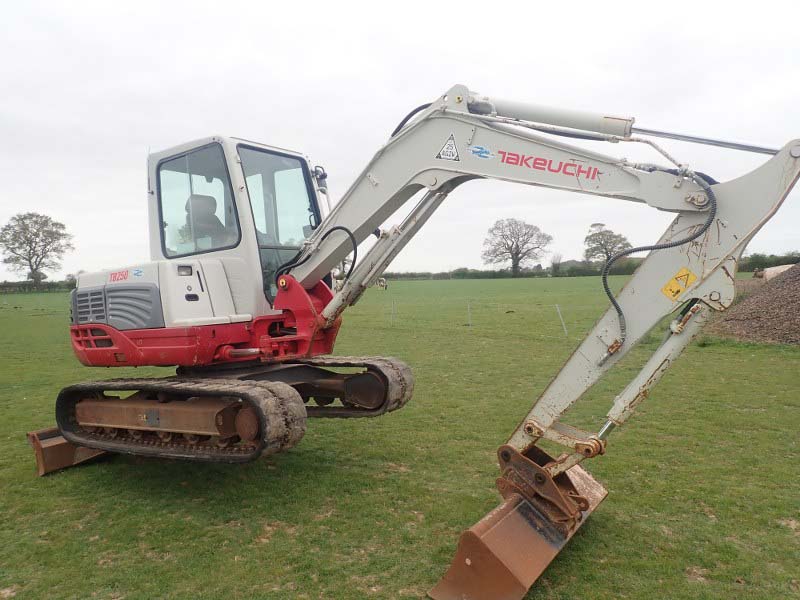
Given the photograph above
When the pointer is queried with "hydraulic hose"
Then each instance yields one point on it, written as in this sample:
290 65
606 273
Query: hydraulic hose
705 182
408 117
292 264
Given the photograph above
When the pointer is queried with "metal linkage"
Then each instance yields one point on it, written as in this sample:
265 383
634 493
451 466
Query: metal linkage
590 125
381 254
707 141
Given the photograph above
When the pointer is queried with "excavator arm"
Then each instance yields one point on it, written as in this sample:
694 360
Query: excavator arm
462 136
689 271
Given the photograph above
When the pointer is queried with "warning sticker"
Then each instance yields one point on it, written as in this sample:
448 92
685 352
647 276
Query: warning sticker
449 151
679 283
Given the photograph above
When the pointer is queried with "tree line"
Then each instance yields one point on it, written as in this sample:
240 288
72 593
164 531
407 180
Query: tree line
21 287
572 268
519 245
32 243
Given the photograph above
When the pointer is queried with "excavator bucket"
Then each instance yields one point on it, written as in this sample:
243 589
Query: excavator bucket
502 555
53 452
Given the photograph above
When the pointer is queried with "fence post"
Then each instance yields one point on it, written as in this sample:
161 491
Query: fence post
564 325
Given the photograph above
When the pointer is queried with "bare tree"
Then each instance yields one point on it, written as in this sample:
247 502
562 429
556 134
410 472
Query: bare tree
32 243
602 243
515 241
555 265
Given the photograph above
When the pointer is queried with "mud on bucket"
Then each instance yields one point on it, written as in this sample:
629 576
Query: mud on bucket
502 555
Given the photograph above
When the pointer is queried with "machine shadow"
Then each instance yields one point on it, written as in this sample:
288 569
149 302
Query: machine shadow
215 491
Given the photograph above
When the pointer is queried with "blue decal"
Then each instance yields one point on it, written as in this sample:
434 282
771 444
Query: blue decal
480 151
137 272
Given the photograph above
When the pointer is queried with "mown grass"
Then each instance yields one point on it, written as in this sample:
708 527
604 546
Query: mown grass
704 489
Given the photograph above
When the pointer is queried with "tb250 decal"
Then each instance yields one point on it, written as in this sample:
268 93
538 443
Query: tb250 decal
118 276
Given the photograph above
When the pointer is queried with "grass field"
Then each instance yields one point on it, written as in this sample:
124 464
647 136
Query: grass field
704 482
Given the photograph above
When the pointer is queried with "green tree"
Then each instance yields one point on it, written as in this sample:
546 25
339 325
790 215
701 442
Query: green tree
602 243
515 241
32 243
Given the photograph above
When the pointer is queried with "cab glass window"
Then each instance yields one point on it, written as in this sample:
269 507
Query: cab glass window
198 213
283 208
279 196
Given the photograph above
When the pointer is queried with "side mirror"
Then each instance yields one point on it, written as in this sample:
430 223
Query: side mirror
321 177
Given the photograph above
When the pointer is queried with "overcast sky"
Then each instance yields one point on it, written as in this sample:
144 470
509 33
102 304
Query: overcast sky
89 88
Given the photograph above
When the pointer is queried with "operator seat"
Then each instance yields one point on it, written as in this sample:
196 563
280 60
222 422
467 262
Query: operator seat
201 218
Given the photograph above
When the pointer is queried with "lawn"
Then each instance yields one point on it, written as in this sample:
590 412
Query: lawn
704 481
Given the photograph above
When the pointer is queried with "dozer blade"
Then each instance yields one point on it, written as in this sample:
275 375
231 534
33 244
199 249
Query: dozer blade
53 452
502 555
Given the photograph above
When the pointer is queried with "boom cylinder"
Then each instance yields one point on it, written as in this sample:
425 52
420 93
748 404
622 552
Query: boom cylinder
574 119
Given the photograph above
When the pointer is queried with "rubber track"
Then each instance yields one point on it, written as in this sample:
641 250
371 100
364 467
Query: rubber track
282 417
397 374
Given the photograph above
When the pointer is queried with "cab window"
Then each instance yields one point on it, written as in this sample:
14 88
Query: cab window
198 213
284 211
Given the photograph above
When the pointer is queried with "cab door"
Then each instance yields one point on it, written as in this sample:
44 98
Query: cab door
284 206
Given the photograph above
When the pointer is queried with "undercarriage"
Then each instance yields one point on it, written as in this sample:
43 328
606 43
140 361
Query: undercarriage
232 413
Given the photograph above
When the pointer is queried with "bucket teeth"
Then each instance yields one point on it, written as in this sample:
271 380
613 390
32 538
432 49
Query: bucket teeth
502 555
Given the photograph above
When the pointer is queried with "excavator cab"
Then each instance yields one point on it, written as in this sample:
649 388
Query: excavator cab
224 215
202 212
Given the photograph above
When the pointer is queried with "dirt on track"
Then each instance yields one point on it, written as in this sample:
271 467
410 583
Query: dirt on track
770 312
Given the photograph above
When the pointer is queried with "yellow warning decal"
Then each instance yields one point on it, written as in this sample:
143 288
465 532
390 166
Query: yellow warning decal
678 284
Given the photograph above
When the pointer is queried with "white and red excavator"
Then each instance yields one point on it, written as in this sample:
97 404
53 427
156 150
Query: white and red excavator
238 296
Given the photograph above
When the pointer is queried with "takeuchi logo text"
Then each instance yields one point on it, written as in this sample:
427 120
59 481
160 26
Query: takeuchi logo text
545 164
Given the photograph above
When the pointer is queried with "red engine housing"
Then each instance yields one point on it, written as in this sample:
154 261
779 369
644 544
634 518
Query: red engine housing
299 331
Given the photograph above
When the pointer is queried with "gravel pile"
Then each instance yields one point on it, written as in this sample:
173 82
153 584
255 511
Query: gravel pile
770 312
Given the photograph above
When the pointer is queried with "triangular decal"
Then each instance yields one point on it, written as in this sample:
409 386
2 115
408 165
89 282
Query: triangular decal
683 279
449 151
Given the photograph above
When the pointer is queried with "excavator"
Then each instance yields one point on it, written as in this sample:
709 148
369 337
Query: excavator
239 297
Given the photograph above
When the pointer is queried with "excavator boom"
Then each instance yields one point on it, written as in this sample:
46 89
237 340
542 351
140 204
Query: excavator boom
689 271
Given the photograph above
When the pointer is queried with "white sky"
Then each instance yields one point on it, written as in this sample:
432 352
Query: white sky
88 88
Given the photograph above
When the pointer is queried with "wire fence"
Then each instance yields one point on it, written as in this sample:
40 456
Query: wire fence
554 321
